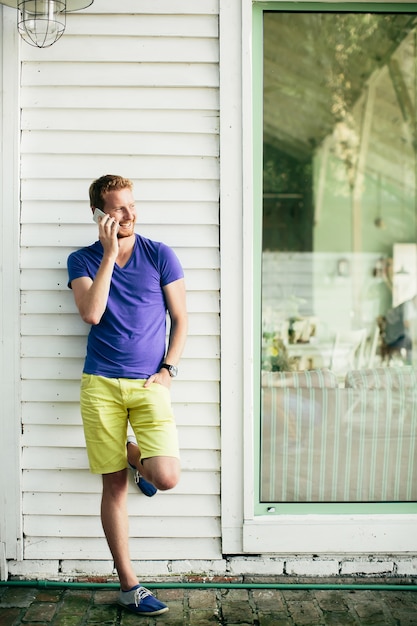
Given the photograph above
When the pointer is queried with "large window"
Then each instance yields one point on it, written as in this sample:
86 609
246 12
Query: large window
339 258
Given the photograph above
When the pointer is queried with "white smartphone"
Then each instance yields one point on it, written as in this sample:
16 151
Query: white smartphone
97 214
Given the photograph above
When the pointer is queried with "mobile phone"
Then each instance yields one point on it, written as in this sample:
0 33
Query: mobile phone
97 214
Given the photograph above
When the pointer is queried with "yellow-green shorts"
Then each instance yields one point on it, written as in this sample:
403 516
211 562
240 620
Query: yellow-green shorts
109 404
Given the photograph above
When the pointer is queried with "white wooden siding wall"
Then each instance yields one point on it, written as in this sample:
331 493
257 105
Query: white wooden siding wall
134 93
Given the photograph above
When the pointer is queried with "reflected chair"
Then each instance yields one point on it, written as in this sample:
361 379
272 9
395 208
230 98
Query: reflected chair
298 329
349 350
303 329
373 347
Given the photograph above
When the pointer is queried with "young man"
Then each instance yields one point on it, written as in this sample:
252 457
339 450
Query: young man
123 285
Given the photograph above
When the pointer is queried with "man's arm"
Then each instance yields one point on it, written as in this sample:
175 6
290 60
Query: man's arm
175 297
91 295
177 309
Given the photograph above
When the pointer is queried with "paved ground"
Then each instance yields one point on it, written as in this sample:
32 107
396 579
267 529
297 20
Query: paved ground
256 606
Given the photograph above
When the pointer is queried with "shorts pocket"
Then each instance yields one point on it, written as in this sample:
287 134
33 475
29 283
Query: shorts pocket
86 381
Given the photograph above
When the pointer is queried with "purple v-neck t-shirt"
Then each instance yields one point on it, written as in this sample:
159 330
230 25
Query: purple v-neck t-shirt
129 341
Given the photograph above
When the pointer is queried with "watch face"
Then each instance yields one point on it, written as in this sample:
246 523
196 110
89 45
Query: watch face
173 371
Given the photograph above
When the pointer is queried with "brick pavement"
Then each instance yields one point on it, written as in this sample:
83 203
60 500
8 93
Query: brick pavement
34 606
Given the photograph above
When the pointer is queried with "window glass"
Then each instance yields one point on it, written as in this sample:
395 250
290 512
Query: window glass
339 258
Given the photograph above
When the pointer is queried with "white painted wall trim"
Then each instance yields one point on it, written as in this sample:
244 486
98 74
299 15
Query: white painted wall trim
4 573
231 258
10 484
326 534
247 150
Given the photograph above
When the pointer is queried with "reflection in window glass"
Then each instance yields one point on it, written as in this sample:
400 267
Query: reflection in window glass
339 258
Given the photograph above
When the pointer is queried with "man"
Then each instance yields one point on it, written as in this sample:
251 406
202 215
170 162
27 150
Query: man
123 285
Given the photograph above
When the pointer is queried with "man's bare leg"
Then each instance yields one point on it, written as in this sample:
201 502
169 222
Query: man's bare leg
115 523
161 471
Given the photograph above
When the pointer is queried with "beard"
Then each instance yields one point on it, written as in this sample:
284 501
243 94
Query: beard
126 232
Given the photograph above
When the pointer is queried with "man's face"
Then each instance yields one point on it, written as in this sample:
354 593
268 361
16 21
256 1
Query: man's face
121 206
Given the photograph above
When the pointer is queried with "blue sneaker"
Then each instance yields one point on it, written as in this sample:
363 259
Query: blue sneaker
140 600
144 485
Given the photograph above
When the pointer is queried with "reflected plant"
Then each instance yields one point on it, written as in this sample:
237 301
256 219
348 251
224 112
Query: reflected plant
347 40
346 144
274 354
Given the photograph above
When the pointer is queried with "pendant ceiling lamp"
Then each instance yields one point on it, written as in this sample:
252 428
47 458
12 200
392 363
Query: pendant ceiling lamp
42 22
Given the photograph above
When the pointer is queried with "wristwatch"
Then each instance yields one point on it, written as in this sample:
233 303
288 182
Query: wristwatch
172 369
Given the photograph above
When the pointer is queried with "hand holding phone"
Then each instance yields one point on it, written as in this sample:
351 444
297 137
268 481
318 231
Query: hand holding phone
98 214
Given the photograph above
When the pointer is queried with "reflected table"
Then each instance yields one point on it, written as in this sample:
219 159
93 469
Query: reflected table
317 354
310 355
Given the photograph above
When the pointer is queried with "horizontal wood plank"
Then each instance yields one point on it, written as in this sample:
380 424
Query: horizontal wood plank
68 413
169 192
49 369
173 167
204 346
87 527
47 257
71 324
134 143
76 458
165 191
162 121
131 49
57 279
149 213
69 391
36 302
149 25
202 71
158 7
37 435
152 7
63 481
164 504
129 97
144 548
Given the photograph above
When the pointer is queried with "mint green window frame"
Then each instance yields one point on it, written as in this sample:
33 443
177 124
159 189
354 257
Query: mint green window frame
273 508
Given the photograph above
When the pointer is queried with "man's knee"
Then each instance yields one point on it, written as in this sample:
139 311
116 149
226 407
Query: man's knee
165 482
163 472
115 484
